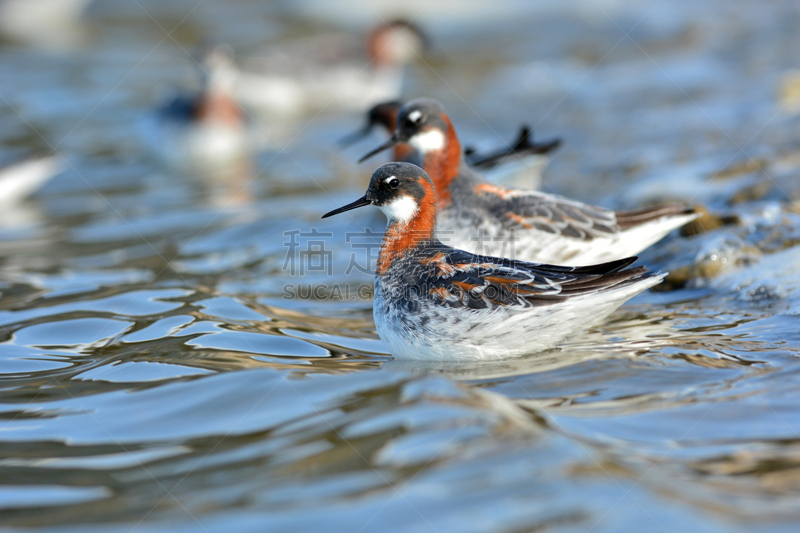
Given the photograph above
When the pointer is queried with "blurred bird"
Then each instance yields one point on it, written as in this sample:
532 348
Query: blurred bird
518 165
19 180
204 128
328 72
385 116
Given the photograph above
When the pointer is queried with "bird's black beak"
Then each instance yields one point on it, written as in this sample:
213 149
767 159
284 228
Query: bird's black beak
361 202
356 136
394 139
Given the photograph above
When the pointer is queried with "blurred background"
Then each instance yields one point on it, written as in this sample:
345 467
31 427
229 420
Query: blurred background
164 168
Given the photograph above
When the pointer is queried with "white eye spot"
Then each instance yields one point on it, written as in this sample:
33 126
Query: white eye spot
415 115
402 209
428 141
390 178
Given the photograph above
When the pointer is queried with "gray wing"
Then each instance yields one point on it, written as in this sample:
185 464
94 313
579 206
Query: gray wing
524 209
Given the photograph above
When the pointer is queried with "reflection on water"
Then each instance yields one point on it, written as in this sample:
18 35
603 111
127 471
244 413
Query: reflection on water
153 375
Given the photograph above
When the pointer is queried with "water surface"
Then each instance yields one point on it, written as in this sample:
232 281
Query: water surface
154 376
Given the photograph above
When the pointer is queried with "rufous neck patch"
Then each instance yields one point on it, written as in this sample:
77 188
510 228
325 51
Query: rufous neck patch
400 238
442 165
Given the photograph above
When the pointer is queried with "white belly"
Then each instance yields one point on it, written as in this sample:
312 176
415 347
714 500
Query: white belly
439 333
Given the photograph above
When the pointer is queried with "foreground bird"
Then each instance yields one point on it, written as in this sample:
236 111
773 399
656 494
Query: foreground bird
330 71
520 223
435 302
518 165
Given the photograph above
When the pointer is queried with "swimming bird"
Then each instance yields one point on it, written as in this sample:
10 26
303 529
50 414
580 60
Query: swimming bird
330 72
436 302
520 164
520 223
207 127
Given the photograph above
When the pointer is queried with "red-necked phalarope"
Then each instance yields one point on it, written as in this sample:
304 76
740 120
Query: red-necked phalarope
326 72
206 128
520 223
435 302
520 164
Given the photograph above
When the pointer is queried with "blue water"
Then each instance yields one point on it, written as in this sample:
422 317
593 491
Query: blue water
154 375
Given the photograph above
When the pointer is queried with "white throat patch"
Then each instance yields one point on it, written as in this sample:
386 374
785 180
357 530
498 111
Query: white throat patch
401 209
427 142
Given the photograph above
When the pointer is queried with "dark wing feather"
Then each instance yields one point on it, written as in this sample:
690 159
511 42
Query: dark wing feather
629 219
523 146
459 279
552 214
524 209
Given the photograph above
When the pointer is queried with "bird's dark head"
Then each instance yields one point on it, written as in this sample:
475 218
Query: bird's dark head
383 114
401 190
423 124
